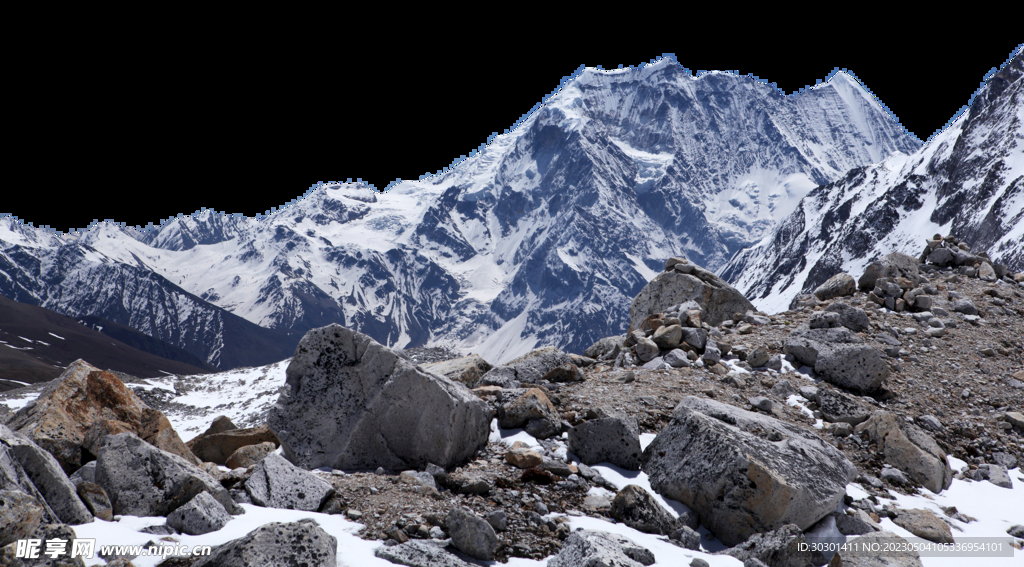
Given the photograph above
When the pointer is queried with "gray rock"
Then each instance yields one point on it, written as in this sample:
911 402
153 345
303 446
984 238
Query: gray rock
296 543
853 318
698 562
903 557
758 358
676 358
419 553
532 366
778 548
940 256
717 299
839 285
930 422
96 500
711 356
964 306
352 403
908 448
466 370
824 320
276 483
419 478
1016 530
668 336
20 514
591 548
498 520
646 349
755 319
532 411
471 534
809 392
636 508
142 480
721 462
924 524
859 523
606 348
774 363
696 338
986 272
892 265
687 538
201 515
893 475
85 474
762 403
838 407
1005 460
614 440
47 476
783 389
839 357
501 376
992 473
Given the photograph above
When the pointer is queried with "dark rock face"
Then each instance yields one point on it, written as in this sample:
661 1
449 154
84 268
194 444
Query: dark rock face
47 476
713 458
276 483
613 439
778 548
354 404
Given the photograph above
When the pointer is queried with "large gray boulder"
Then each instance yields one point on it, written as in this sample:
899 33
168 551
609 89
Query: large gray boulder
839 357
276 483
592 548
201 515
48 477
895 265
14 478
909 449
614 439
743 472
717 299
296 543
142 480
853 318
352 403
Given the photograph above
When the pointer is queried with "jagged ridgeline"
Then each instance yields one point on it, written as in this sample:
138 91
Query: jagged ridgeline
967 181
542 237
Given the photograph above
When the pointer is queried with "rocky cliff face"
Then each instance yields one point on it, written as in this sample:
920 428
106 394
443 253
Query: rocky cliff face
535 240
968 181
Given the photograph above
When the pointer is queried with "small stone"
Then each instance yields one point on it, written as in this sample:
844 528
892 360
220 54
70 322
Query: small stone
761 403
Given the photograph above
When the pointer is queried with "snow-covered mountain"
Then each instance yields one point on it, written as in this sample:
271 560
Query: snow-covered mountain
541 238
968 181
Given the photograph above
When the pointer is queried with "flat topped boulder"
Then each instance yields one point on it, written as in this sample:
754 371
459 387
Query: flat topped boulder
745 473
353 404
895 265
82 397
717 299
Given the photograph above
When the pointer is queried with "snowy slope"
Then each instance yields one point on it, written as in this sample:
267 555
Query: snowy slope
968 181
541 238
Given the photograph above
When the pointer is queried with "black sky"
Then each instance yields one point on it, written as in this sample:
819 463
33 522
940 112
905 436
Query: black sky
250 128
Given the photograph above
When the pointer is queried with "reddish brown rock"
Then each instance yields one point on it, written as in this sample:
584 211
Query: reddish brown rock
84 397
217 447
